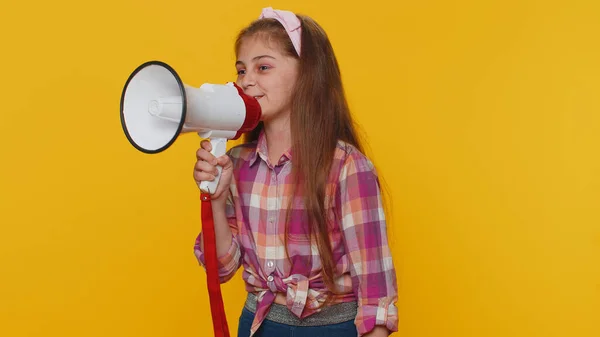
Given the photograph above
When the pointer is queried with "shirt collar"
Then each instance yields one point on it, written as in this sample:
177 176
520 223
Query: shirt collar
263 153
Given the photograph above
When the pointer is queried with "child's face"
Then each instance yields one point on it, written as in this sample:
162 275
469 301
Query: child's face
265 73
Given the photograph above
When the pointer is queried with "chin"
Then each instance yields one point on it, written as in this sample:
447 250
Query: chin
266 116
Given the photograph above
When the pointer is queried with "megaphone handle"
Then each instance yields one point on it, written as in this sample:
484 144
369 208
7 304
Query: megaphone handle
219 148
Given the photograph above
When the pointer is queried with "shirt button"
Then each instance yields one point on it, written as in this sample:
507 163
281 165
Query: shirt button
270 278
270 264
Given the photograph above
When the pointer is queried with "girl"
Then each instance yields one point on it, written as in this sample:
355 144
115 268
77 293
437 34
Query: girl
299 204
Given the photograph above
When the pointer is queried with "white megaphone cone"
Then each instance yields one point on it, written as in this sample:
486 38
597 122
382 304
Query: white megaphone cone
156 107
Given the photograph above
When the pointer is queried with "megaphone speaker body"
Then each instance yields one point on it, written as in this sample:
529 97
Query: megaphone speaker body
156 107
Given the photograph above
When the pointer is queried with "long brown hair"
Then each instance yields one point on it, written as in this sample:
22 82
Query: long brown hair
318 107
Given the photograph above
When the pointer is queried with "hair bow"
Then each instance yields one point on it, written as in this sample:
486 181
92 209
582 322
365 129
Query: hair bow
290 22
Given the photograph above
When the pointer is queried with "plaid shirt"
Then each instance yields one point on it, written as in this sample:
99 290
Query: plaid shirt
256 214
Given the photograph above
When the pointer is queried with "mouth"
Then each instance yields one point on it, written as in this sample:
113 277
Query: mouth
258 97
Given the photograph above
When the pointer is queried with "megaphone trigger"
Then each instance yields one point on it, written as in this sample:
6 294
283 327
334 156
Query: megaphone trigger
219 148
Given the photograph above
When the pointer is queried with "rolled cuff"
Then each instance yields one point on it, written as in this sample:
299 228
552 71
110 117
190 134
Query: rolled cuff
369 316
227 264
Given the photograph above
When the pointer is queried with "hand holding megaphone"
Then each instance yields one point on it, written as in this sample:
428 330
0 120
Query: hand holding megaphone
156 107
210 168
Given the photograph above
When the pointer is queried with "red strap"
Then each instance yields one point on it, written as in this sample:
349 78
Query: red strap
212 269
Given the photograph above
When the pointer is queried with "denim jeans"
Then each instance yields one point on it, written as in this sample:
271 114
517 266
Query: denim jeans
274 329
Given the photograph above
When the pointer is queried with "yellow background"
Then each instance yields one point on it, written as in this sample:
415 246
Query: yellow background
482 116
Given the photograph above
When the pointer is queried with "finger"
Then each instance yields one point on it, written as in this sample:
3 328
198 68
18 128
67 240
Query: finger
224 161
205 144
200 176
203 154
206 167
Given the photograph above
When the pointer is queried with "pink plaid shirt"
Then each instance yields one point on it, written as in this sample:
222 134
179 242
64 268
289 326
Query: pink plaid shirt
256 215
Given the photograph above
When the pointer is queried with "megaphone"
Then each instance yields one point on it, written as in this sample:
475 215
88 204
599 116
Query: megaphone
157 106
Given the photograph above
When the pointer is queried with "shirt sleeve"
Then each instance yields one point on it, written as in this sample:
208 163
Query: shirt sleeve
365 240
230 262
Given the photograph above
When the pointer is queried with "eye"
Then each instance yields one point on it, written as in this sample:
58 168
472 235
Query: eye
241 72
263 68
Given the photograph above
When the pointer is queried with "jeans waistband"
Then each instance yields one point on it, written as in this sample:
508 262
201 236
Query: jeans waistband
332 314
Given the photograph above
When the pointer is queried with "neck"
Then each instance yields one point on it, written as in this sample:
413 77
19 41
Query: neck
279 137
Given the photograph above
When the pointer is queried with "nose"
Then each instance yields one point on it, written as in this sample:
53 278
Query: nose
248 80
